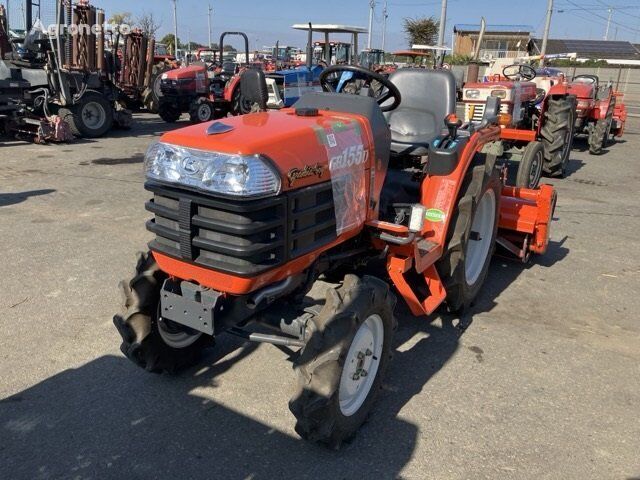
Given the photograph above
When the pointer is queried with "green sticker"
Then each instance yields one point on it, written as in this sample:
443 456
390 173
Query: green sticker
435 215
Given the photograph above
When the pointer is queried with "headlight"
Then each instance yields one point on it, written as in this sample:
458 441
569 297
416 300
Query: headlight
238 175
472 93
499 93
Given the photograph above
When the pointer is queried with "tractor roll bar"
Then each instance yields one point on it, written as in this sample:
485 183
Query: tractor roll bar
246 44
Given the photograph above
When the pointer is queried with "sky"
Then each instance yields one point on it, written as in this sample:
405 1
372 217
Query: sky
267 21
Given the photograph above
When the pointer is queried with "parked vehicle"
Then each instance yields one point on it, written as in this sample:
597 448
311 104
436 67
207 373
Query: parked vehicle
536 122
251 211
601 113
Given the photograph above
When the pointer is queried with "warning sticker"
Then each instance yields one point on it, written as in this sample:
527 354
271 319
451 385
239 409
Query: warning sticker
348 157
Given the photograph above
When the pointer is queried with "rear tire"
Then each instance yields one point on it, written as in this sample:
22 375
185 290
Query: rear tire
146 340
599 137
240 106
91 117
340 370
557 134
530 167
153 93
465 264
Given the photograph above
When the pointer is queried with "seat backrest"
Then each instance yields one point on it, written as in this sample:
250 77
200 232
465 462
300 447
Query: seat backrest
253 85
428 93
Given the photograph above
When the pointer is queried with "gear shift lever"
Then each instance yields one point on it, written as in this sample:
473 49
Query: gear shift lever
453 123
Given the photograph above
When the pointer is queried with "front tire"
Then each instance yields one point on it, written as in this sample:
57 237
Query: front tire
169 112
341 368
530 167
471 237
147 340
201 111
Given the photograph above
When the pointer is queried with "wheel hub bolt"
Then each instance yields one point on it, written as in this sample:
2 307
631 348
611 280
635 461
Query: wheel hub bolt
368 353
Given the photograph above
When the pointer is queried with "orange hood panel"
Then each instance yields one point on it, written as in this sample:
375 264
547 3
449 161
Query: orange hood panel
300 147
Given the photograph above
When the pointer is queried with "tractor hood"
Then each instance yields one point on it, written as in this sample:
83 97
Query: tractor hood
185 73
581 90
305 150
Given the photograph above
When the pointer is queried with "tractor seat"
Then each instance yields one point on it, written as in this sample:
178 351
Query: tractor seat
428 96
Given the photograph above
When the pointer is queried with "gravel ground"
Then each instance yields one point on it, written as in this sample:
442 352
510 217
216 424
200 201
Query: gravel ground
544 384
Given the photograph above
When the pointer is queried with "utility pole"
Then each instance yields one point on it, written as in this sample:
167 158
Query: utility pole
372 5
175 27
606 32
441 28
545 36
210 12
385 15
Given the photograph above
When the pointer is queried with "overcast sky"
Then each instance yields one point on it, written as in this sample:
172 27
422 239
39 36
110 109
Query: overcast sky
266 21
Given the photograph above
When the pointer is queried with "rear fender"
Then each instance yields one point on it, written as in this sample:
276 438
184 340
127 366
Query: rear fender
439 194
230 89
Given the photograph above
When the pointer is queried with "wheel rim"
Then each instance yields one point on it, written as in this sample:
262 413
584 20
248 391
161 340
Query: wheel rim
536 169
176 336
361 365
482 233
94 115
204 113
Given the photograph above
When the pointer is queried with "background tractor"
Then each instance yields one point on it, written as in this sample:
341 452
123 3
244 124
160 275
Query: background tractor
536 120
206 89
67 84
601 113
249 212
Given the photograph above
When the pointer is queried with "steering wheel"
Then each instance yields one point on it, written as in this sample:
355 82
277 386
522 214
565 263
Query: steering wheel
519 72
391 90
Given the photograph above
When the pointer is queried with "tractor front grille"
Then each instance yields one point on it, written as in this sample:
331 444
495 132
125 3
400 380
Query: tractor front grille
241 237
473 112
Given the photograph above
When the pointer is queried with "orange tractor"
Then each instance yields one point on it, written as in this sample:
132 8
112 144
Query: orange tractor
537 122
250 211
601 113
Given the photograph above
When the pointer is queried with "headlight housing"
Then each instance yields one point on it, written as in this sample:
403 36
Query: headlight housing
235 175
499 93
472 93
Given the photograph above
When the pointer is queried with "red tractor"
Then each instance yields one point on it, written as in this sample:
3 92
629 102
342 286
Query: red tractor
601 114
249 212
536 122
206 90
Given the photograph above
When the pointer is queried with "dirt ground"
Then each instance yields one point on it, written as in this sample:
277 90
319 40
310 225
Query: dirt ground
544 383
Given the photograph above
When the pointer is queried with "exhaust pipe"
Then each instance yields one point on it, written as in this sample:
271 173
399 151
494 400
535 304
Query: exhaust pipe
473 69
310 47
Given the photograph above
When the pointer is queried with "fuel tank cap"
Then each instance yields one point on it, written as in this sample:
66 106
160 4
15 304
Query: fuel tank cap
307 112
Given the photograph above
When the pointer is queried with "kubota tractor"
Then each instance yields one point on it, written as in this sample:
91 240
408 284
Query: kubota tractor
536 122
601 113
252 210
206 90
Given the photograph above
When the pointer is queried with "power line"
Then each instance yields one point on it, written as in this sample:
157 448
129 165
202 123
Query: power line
631 29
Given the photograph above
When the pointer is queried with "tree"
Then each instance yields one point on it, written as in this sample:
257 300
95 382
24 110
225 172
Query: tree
123 18
422 31
149 24
170 41
229 48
